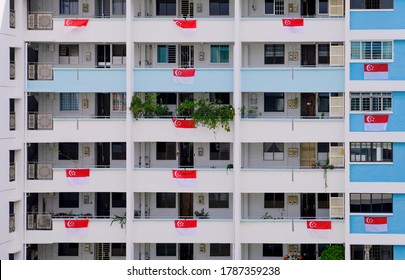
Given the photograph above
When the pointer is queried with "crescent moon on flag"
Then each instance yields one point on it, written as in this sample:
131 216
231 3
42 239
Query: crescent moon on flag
70 224
312 225
69 22
370 119
177 73
369 220
287 22
178 23
177 123
369 67
177 174
180 224
72 173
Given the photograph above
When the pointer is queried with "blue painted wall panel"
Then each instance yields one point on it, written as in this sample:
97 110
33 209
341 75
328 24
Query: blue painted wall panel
395 69
396 222
383 19
376 172
396 120
399 252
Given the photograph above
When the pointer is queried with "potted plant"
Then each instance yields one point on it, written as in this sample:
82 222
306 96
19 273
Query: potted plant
202 214
148 108
122 220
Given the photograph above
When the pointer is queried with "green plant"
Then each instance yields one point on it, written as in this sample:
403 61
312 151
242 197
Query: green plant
147 108
325 168
202 214
333 252
207 114
121 220
266 216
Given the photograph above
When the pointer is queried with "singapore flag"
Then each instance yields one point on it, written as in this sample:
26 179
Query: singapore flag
375 122
183 76
320 229
375 224
293 25
185 178
183 123
188 26
72 24
375 71
185 227
76 227
78 177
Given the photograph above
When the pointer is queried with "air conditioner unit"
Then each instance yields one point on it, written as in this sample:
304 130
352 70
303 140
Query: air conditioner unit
31 21
12 19
44 221
12 71
31 170
31 72
44 171
45 72
30 221
44 121
45 21
31 121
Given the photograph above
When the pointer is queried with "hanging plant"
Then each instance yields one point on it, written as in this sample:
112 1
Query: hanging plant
207 114
148 108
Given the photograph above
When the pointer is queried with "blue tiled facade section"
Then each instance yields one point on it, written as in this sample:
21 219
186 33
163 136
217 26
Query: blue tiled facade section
81 80
161 80
387 19
395 222
396 120
395 69
381 172
288 79
399 252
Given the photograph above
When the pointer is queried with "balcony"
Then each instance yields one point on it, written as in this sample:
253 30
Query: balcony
206 231
289 231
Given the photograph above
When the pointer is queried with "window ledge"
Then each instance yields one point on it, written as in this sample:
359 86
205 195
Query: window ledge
374 162
371 214
371 112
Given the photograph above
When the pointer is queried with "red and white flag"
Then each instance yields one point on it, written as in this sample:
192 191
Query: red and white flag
185 227
375 122
72 24
185 178
320 229
375 71
183 76
76 227
183 123
293 25
78 177
375 224
188 26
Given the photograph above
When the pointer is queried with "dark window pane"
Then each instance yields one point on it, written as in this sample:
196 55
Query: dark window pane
166 7
119 151
118 249
166 150
165 200
68 200
166 249
68 249
272 250
274 102
218 200
220 250
119 200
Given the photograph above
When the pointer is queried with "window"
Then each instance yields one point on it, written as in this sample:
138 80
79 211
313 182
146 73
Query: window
68 151
323 200
166 98
68 249
323 54
274 200
166 53
165 200
119 151
273 151
323 7
220 151
165 249
69 200
371 4
119 102
119 53
219 53
371 152
371 101
118 249
69 7
274 102
371 50
371 203
274 7
218 200
374 252
219 7
119 7
69 54
165 7
165 150
118 200
69 101
323 102
272 250
220 98
220 250
274 54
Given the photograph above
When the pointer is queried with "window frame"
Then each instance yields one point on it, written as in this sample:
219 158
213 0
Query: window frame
118 200
319 7
364 50
272 54
218 200
273 151
170 52
118 7
69 102
166 200
119 250
218 53
119 101
272 250
274 102
167 154
362 5
219 10
68 151
274 200
68 249
69 200
220 151
68 5
367 99
166 249
166 2
121 154
220 249
367 152
278 7
322 96
364 203
69 51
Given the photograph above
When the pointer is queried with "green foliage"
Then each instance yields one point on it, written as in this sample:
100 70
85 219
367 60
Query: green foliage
121 220
333 252
148 108
207 114
202 214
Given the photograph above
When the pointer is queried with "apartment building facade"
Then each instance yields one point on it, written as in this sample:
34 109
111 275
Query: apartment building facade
316 86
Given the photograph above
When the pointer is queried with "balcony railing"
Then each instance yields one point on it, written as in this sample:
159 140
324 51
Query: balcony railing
40 21
40 71
11 223
40 171
38 121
